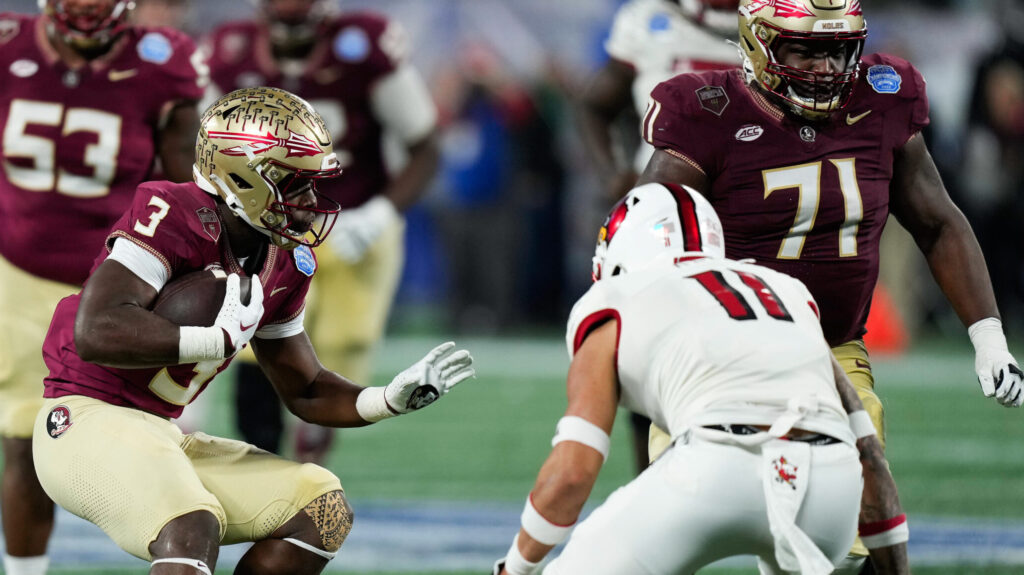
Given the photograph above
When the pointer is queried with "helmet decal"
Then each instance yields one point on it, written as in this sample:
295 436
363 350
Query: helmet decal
687 218
296 144
783 8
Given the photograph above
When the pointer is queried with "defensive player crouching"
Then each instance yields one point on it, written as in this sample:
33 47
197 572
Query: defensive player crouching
104 446
730 358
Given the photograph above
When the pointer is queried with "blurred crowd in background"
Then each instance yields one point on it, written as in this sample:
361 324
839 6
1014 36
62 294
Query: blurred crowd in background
502 242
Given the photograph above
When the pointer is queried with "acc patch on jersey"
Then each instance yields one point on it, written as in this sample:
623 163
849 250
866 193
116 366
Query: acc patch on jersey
58 421
210 222
304 260
713 99
884 79
352 45
155 47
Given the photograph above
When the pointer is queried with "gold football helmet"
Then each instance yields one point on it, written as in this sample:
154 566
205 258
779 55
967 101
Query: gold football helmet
255 145
764 24
87 26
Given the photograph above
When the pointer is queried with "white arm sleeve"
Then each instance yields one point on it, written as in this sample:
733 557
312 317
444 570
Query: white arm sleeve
402 104
283 330
140 262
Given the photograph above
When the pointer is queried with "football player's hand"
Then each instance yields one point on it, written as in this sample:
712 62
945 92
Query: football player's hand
239 320
998 372
429 378
499 567
1000 377
357 229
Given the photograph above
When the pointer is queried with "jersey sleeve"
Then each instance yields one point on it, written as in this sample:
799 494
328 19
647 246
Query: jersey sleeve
593 309
157 222
670 124
184 74
898 87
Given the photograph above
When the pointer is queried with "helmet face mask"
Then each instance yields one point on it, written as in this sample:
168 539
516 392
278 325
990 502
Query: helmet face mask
782 39
88 25
656 225
262 151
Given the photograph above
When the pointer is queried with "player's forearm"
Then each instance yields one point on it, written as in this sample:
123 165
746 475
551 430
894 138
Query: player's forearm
891 560
329 400
411 182
114 337
958 265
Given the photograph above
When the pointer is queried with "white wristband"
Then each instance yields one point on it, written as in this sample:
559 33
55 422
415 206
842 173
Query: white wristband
540 528
574 428
200 343
987 334
372 405
895 531
860 423
516 564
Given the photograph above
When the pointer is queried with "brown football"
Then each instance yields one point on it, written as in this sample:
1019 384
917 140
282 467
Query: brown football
195 298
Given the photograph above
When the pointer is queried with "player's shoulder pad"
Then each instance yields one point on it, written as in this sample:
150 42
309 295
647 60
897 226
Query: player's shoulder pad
698 94
162 46
305 260
885 75
777 278
368 39
13 24
231 41
187 208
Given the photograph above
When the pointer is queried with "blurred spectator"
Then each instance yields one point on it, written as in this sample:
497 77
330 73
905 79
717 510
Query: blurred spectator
993 174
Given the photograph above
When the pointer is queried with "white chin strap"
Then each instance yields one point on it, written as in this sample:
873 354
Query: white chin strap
197 564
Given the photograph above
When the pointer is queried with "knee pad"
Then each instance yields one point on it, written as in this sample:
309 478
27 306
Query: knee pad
332 516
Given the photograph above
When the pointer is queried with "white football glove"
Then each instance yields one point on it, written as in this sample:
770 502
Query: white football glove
238 320
418 386
357 229
998 372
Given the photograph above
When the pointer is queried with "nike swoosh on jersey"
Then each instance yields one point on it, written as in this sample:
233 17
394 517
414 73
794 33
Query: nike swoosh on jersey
118 75
851 120
277 291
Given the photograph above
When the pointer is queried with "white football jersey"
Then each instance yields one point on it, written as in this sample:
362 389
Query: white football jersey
715 341
659 42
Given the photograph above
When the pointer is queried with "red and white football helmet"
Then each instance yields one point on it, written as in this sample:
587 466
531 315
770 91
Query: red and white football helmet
718 16
657 225
88 25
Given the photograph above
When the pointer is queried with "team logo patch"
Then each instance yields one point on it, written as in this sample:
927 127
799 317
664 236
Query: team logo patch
749 133
8 29
884 79
24 68
785 472
659 22
808 134
352 45
666 229
305 262
155 47
210 222
58 421
713 99
296 144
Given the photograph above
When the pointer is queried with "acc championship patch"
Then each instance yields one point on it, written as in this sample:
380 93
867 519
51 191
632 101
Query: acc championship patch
884 79
210 222
305 262
155 47
352 45
58 421
713 99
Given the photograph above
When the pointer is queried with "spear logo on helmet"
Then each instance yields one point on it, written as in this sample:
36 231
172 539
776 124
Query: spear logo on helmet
296 144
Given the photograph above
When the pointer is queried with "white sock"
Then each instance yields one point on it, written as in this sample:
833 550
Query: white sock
26 565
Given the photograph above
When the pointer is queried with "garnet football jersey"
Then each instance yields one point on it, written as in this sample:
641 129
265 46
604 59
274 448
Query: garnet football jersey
807 199
356 50
714 341
179 224
76 143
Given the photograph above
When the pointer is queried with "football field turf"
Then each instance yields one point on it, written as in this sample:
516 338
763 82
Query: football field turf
439 491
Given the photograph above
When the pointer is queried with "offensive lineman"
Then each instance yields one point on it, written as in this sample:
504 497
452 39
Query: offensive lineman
80 129
104 446
352 67
729 357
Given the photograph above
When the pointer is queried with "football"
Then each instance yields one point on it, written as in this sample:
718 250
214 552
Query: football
195 298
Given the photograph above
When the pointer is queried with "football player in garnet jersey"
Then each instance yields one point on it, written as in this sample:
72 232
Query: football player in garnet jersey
650 41
88 104
729 357
352 67
804 153
104 446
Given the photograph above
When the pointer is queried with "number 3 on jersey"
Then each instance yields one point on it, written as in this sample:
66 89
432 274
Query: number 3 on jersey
149 228
733 301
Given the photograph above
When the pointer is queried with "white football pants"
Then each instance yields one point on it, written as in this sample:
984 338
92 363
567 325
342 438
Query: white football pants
705 500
